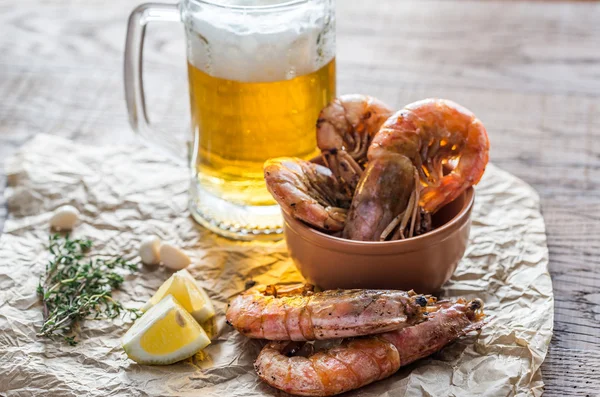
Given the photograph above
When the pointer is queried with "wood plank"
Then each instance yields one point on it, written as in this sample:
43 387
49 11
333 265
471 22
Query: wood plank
528 69
578 371
515 46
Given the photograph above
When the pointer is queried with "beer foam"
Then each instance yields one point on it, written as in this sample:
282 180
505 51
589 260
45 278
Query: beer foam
246 3
254 45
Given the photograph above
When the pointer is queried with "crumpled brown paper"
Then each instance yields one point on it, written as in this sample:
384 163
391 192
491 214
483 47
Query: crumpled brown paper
126 193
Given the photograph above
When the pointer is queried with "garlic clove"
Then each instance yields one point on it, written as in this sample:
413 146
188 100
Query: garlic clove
149 250
64 218
173 258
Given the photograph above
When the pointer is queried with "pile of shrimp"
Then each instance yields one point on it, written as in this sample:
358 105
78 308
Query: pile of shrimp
382 174
380 331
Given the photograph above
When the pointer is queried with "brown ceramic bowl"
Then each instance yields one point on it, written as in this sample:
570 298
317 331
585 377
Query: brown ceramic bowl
422 263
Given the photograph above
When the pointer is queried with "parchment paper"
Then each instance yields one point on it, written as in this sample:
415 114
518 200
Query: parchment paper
126 193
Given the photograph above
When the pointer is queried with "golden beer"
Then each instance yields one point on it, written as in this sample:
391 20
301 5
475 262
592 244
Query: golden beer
260 71
239 125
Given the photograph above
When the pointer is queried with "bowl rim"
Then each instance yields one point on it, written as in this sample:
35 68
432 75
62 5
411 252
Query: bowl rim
383 247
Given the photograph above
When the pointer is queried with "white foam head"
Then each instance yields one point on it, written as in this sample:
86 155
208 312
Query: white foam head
260 44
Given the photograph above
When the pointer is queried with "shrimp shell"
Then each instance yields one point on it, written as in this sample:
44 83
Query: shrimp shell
382 194
345 129
307 191
433 133
349 122
323 315
357 362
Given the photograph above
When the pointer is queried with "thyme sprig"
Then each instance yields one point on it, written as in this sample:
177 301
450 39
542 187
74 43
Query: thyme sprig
77 286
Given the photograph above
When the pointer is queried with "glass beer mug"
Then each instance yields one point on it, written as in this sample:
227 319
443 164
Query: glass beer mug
259 73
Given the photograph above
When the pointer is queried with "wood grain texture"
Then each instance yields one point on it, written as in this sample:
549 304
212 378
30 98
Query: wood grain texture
529 69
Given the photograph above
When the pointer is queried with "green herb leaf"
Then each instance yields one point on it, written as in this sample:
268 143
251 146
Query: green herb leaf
74 288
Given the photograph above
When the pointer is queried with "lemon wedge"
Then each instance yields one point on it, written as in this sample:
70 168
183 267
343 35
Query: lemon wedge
190 295
165 334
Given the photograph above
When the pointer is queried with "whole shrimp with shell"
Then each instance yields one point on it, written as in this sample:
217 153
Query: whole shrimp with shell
297 313
357 362
376 194
433 134
318 195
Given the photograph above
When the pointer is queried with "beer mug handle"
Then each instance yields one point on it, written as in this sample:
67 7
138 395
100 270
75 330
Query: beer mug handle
134 87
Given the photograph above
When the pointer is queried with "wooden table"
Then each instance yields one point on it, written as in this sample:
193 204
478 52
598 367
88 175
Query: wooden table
529 69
